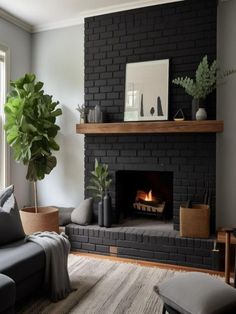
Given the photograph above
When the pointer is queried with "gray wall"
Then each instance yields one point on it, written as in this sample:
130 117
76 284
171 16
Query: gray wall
19 43
226 110
58 61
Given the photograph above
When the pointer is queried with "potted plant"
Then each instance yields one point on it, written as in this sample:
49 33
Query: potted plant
82 111
99 184
31 130
205 83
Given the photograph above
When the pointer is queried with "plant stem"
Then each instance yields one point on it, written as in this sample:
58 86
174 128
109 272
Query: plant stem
35 197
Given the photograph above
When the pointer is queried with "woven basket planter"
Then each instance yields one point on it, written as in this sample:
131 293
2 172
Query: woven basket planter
46 219
195 221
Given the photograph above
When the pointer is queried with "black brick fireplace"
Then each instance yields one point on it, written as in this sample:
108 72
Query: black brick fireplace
182 32
191 159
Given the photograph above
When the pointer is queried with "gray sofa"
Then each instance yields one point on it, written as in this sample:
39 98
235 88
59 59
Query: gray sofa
22 264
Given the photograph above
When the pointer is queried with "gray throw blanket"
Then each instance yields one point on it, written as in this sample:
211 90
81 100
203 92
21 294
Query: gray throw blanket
57 248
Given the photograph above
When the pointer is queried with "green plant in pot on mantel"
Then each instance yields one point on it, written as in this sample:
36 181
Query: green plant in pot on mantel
31 130
206 79
100 183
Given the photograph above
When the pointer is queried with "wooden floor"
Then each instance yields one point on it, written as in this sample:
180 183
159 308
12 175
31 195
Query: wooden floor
150 264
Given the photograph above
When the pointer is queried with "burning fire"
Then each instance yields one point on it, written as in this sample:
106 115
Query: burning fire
145 197
148 196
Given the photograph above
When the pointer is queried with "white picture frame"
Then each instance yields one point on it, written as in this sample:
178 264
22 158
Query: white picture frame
147 91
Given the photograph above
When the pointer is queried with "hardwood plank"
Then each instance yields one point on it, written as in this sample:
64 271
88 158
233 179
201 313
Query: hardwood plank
205 126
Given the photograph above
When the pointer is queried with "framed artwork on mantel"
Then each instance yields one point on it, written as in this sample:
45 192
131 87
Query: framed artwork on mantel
147 91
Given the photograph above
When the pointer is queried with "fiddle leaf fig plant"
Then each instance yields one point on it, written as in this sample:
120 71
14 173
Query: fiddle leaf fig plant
31 127
100 180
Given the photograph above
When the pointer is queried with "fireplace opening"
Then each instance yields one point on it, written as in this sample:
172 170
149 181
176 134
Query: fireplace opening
144 193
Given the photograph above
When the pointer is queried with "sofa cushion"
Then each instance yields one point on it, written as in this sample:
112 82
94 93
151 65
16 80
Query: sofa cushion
10 223
7 293
82 215
20 259
5 194
194 293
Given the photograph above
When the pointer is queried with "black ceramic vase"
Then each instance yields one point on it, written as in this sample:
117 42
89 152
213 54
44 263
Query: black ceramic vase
107 210
100 214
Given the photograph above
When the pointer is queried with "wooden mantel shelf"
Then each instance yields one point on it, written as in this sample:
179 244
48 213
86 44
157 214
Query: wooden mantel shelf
206 126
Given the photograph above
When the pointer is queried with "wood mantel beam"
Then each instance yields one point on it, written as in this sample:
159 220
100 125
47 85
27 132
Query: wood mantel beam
204 126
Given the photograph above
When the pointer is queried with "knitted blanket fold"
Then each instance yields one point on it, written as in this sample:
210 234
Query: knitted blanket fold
57 248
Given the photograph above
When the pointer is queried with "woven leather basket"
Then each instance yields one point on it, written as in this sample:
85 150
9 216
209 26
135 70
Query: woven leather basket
195 221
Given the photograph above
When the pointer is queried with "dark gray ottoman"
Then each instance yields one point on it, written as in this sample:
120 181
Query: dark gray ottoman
197 293
7 294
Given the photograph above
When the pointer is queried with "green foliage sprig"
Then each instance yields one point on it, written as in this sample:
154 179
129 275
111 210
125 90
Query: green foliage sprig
100 181
30 126
205 79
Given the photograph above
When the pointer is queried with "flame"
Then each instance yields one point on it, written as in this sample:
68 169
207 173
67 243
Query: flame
149 196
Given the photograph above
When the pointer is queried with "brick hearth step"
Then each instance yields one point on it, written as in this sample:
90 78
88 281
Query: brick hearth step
157 246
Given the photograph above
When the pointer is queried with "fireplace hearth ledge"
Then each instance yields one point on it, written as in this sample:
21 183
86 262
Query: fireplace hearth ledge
150 245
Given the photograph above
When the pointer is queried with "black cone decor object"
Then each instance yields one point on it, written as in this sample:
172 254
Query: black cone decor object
107 210
100 214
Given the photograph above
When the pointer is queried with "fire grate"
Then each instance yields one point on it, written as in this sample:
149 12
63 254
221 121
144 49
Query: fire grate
149 208
147 203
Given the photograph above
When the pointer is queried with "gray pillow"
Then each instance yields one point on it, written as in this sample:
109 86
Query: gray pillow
10 223
82 215
193 293
64 215
5 194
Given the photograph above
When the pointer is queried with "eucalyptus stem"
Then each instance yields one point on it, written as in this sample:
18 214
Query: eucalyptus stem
35 197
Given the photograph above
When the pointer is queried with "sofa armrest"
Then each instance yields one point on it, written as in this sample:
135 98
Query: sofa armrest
7 294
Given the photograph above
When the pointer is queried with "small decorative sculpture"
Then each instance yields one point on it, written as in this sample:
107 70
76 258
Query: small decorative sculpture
179 116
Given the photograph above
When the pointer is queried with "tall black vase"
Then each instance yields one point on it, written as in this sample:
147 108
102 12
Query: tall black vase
107 210
100 214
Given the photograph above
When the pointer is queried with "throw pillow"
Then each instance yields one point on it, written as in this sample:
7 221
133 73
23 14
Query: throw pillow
197 293
5 194
64 215
82 215
10 223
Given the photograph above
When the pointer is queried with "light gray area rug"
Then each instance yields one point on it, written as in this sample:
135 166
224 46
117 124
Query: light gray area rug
106 287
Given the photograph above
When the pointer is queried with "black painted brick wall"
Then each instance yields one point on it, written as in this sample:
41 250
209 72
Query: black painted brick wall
183 32
191 157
